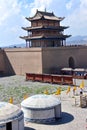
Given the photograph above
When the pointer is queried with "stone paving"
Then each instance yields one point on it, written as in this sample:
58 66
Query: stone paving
73 116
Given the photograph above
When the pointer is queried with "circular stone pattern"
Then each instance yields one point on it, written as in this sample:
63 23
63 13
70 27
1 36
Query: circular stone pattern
41 108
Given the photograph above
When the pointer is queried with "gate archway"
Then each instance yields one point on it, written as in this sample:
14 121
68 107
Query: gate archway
71 63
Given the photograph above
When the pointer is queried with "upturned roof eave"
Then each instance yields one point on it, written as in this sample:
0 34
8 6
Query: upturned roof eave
62 37
45 15
43 27
34 19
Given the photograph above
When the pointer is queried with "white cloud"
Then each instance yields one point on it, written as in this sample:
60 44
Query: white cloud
69 4
40 5
83 4
8 9
77 19
13 13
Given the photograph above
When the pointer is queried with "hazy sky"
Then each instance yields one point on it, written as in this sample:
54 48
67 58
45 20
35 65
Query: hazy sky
13 13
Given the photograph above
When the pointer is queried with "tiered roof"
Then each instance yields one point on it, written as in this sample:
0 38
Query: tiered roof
45 27
63 37
45 15
42 28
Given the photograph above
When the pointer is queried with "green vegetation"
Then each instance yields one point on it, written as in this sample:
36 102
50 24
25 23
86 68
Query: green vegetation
18 92
18 88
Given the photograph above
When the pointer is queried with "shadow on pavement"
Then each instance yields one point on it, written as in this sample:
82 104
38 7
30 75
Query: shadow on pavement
28 128
66 118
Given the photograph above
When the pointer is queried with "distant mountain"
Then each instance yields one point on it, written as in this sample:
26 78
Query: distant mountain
22 45
77 40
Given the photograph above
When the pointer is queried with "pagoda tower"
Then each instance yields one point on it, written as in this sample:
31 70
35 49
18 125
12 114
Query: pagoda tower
45 31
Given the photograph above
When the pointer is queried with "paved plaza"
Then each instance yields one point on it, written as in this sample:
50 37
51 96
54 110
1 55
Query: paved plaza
73 116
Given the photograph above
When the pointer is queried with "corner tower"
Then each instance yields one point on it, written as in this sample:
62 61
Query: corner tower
45 31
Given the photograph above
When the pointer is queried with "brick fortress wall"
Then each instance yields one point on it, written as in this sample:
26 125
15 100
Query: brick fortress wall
41 60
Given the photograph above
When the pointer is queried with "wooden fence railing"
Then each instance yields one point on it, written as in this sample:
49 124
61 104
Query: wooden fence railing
59 79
